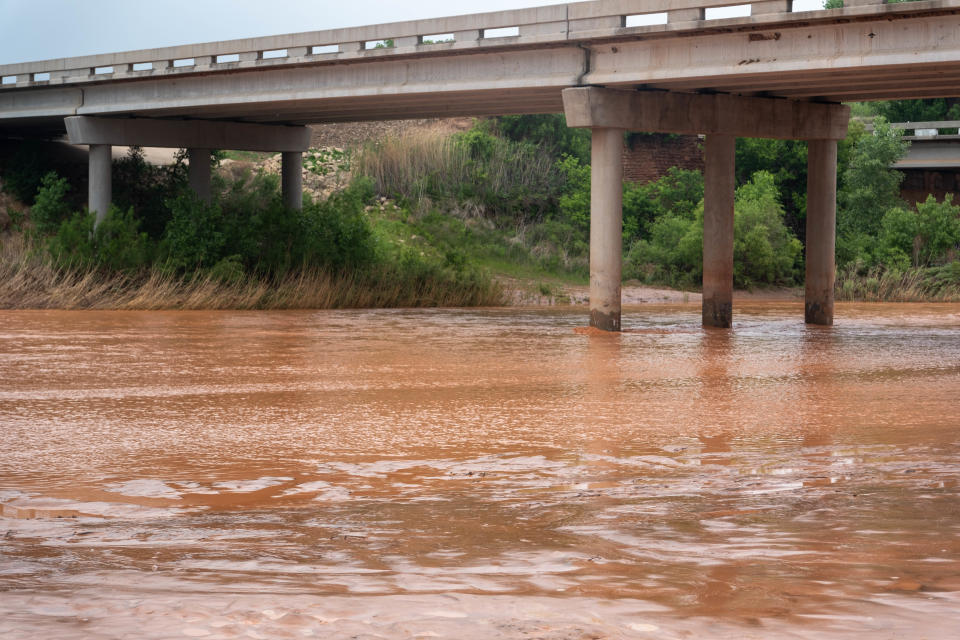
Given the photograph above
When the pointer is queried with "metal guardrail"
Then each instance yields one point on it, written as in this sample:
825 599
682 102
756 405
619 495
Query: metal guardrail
922 130
577 21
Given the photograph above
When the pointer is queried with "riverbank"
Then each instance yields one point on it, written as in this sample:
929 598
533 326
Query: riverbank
29 279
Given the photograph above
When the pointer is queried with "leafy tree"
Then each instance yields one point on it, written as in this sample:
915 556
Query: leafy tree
549 132
574 202
679 191
927 110
938 229
50 206
786 160
765 251
897 239
116 244
145 188
194 235
870 187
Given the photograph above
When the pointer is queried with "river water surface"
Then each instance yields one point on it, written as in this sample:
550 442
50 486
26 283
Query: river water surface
480 474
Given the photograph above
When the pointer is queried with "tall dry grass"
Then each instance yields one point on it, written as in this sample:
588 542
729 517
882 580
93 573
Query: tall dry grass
422 166
29 280
885 285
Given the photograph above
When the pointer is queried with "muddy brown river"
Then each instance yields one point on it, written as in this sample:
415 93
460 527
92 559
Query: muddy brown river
480 474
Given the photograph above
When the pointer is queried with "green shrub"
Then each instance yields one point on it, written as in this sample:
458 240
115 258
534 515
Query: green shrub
898 233
50 206
229 270
573 204
678 192
119 244
337 233
72 245
145 188
194 236
116 244
764 250
870 187
549 132
938 227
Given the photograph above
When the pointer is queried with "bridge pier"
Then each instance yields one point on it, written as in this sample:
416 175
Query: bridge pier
821 270
606 227
198 137
291 180
198 176
100 187
722 118
719 186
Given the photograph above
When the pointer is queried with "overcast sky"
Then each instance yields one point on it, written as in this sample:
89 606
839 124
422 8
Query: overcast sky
42 29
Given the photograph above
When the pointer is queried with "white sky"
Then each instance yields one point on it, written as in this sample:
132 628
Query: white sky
42 29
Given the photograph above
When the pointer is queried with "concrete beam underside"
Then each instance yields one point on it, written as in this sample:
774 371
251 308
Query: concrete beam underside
688 113
186 134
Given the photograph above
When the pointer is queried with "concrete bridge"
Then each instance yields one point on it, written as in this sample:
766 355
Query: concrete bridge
610 65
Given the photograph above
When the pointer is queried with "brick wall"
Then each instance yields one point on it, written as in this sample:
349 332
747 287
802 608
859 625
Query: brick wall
918 183
647 157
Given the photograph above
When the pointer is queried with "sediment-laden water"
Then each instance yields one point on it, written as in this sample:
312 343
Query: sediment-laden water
480 474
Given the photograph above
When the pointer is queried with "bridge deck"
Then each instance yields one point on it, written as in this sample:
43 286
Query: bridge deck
869 52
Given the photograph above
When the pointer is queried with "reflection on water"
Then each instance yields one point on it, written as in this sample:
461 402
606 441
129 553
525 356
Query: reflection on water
480 475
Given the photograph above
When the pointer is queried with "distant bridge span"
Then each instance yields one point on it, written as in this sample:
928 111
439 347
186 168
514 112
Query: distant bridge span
775 73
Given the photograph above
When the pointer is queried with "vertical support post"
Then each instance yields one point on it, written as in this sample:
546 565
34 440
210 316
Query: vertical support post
821 270
606 227
719 189
292 180
199 173
100 192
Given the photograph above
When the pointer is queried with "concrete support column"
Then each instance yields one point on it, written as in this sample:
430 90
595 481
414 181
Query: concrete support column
292 180
606 228
719 187
199 173
100 192
821 230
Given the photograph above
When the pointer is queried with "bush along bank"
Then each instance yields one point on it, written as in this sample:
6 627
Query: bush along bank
161 247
